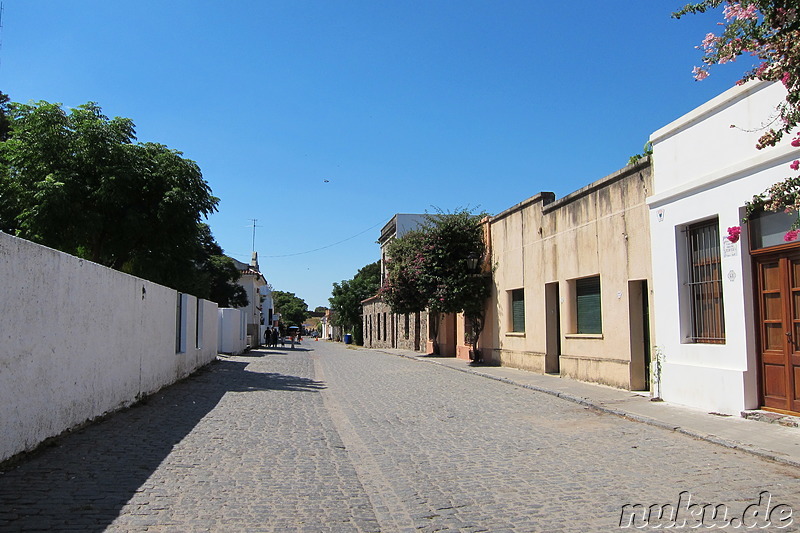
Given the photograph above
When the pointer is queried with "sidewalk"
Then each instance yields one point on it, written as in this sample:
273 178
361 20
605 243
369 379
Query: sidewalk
771 441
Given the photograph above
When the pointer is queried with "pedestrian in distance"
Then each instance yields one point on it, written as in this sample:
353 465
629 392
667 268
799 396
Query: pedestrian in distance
275 337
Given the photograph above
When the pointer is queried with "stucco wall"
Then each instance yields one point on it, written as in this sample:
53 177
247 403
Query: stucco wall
232 330
78 340
602 230
704 168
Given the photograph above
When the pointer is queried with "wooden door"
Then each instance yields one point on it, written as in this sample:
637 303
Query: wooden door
779 324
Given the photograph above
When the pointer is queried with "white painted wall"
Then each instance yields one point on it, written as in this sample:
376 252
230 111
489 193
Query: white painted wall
705 168
78 340
232 330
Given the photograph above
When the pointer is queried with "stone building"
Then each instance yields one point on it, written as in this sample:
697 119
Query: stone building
382 328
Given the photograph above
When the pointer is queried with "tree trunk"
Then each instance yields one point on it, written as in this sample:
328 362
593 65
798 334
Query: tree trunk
477 327
433 318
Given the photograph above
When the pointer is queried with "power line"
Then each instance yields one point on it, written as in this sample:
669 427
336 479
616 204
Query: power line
382 222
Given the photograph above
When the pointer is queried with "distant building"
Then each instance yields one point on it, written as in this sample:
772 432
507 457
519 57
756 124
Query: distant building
258 293
382 328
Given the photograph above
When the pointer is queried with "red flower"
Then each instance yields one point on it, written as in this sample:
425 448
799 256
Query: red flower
733 233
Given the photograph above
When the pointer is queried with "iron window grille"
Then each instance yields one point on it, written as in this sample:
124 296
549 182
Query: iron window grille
704 283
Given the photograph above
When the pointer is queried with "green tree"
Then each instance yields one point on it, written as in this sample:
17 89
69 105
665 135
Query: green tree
293 309
346 298
430 268
770 31
215 274
5 123
76 181
407 287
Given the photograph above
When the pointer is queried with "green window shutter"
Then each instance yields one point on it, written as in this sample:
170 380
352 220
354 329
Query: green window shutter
518 310
590 319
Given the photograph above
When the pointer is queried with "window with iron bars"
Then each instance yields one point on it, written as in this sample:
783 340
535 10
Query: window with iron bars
704 283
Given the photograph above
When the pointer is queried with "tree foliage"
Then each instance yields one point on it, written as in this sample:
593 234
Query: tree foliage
215 274
770 31
293 309
5 122
77 181
429 269
407 287
346 298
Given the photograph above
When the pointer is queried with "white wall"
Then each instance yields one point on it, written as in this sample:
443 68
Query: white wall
704 168
78 340
232 330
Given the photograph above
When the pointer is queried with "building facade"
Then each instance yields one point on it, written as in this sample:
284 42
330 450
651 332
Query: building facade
572 282
255 285
382 327
727 315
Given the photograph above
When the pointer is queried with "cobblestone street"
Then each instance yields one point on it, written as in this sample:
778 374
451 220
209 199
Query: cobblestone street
328 438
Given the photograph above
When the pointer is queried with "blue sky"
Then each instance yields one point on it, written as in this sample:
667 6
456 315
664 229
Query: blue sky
403 106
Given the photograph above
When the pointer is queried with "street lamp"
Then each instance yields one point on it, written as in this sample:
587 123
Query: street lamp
473 260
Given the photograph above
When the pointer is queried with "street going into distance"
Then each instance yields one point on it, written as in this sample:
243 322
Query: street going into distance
328 437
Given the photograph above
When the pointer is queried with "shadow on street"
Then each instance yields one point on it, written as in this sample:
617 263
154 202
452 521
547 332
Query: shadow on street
82 480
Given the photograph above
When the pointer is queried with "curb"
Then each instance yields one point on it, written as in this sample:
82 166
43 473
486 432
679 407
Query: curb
714 439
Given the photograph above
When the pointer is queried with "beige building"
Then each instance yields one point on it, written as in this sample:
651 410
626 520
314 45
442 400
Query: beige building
572 282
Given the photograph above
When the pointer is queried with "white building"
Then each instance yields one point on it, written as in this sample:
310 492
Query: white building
254 282
725 316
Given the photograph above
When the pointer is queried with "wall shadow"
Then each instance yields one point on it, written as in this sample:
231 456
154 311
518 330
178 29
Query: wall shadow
82 480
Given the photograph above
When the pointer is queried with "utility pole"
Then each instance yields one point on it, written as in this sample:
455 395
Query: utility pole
254 220
2 8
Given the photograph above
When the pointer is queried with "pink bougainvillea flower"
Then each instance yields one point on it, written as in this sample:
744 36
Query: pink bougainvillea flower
736 11
796 141
699 73
795 164
791 235
710 41
733 233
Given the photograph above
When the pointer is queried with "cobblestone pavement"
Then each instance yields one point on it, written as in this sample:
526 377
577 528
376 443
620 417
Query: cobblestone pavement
327 438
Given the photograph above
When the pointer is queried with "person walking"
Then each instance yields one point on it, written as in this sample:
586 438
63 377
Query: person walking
275 337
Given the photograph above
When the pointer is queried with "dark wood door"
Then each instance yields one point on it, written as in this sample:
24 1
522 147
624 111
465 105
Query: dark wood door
779 324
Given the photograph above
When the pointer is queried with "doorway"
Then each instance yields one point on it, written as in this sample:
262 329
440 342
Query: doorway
552 356
778 324
417 326
639 328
